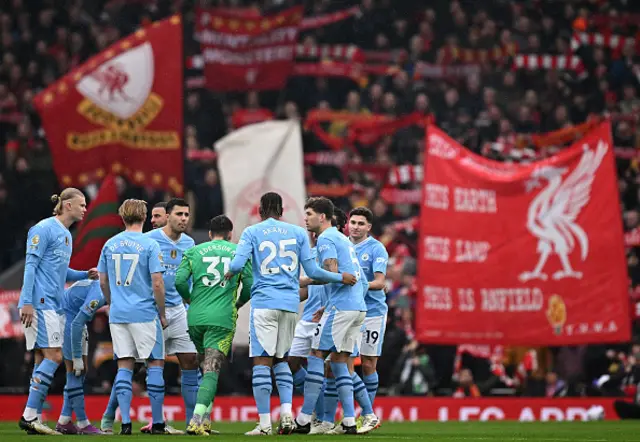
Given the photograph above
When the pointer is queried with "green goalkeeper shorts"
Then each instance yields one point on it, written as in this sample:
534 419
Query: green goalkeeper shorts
211 336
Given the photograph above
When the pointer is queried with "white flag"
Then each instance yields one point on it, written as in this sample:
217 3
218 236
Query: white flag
253 160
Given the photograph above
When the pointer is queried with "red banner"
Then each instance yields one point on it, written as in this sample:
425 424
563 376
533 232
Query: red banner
115 114
528 254
389 409
254 53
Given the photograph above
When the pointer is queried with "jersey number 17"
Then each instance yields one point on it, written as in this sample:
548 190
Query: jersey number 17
118 258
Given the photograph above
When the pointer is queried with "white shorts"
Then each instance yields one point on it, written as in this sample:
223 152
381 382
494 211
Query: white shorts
141 340
46 330
338 331
373 335
271 332
302 337
176 335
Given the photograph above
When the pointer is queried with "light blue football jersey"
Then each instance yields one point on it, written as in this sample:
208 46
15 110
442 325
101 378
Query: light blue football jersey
129 259
50 243
80 303
83 296
373 258
171 257
277 250
317 296
334 245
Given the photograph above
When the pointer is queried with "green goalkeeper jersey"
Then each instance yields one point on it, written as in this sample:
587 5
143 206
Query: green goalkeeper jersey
212 298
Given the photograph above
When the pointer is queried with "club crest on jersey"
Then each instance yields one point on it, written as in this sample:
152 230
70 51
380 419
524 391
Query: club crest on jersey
119 100
174 254
365 257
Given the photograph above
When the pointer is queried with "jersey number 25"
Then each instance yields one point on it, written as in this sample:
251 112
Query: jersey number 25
282 252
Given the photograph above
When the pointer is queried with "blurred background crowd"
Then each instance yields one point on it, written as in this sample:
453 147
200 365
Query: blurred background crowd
492 109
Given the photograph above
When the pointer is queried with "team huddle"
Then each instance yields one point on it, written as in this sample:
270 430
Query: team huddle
168 296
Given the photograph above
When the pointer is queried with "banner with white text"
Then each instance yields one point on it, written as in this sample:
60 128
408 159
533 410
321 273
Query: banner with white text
248 53
529 254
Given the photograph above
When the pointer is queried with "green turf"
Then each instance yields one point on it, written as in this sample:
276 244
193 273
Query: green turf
431 431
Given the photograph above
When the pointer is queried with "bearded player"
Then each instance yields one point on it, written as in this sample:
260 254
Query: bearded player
159 215
173 243
316 300
327 404
213 309
339 327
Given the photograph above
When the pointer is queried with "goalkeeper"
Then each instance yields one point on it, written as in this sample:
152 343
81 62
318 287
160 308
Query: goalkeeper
213 309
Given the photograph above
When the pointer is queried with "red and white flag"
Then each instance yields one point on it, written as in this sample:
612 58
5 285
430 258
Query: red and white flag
254 53
517 254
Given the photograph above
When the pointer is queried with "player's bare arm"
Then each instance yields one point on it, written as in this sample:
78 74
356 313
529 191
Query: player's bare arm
317 315
104 286
158 294
213 360
331 265
305 281
378 282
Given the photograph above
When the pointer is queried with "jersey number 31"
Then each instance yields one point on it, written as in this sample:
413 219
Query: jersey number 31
213 262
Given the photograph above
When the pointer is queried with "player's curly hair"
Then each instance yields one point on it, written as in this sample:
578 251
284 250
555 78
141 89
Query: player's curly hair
271 205
339 219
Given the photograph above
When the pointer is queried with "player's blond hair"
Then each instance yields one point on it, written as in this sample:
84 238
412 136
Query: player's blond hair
133 211
65 195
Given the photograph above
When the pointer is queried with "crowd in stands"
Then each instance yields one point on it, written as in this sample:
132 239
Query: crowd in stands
492 108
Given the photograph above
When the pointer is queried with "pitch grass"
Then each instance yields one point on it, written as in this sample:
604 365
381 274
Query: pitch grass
429 431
